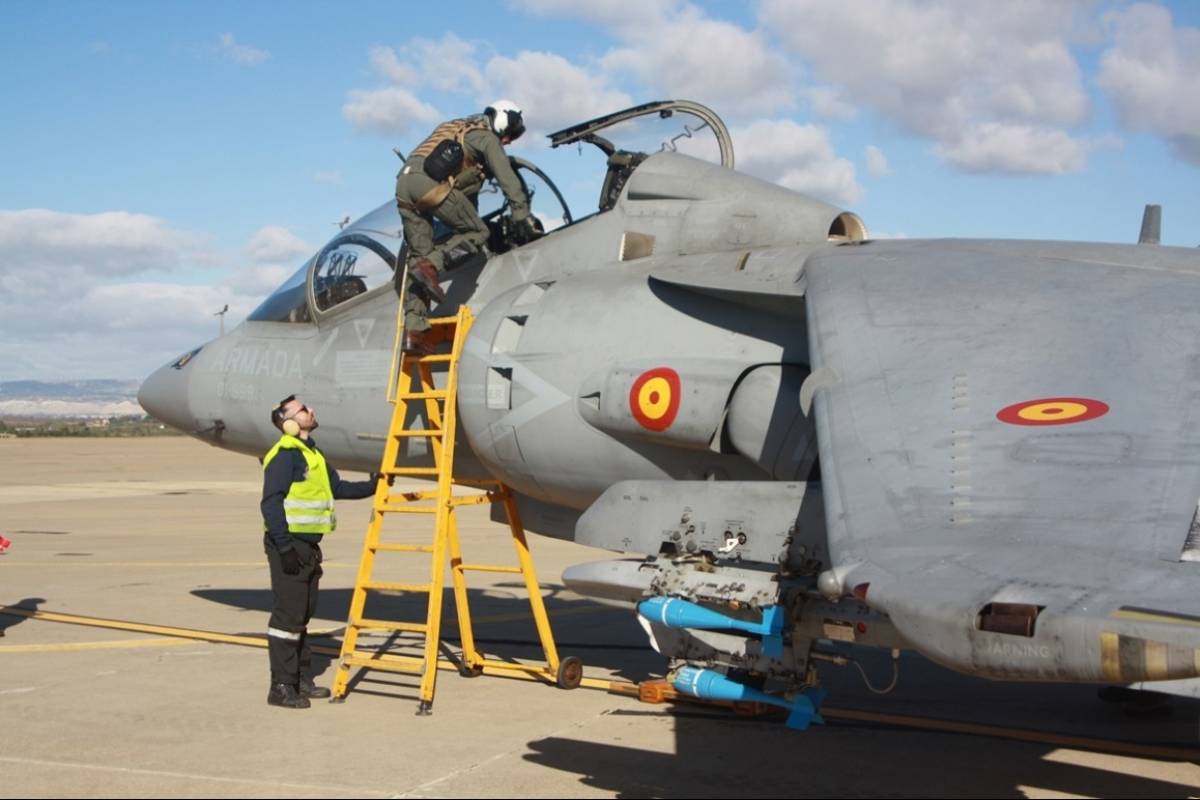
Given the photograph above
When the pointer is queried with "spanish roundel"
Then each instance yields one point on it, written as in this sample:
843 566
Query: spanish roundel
654 398
1053 411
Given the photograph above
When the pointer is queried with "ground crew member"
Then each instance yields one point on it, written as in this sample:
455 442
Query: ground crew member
297 508
442 179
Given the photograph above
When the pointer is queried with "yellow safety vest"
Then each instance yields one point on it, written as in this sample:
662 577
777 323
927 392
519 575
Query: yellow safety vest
309 503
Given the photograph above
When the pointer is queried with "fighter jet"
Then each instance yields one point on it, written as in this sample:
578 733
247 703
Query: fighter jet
801 440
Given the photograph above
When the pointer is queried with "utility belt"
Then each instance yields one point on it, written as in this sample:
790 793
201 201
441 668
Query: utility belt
431 199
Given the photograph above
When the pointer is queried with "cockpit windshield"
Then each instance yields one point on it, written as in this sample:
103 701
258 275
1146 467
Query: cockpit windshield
666 125
358 260
288 303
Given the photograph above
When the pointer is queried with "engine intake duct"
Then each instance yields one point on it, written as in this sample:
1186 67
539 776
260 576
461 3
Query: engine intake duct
766 424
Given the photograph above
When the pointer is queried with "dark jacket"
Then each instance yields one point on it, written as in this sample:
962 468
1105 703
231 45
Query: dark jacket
287 467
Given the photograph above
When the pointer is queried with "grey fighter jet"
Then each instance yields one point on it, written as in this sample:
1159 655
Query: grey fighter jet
800 438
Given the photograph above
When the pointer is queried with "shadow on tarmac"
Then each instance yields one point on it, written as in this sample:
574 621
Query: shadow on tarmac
728 757
29 604
603 637
717 754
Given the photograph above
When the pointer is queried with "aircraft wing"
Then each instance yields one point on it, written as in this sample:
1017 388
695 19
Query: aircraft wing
1009 436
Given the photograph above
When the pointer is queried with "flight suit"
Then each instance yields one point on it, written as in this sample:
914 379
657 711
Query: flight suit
484 157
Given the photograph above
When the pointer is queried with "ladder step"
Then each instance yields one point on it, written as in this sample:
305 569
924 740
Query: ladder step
419 432
389 625
472 500
406 508
412 471
436 358
487 568
393 664
403 548
436 394
382 586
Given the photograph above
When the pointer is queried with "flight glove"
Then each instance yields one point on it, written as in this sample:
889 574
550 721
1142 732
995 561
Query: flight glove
527 230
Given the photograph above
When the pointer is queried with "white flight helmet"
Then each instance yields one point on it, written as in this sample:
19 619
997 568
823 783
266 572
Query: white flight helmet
506 119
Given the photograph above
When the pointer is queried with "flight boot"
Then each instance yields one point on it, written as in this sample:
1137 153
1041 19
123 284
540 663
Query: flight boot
285 695
426 275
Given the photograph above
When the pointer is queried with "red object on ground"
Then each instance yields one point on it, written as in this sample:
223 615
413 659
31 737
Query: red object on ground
4 544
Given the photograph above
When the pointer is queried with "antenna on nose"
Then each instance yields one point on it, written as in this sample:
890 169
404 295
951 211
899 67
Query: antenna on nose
221 315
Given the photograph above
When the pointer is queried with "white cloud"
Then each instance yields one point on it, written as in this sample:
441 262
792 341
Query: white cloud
275 244
110 243
1021 149
877 163
247 56
385 62
671 48
157 308
72 304
1152 74
551 90
618 14
800 157
687 54
978 78
829 102
393 110
447 64
256 281
112 330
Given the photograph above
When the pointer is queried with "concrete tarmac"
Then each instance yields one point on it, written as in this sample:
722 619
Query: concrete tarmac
167 531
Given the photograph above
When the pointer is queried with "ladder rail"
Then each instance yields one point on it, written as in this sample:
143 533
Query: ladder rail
412 380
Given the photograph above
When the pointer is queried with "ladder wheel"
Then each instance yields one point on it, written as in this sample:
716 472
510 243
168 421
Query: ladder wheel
468 671
570 673
425 708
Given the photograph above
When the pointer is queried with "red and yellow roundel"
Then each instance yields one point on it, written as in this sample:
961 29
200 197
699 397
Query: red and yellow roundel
1053 411
654 398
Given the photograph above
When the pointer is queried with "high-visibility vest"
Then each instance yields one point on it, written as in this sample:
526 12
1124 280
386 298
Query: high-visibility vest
309 503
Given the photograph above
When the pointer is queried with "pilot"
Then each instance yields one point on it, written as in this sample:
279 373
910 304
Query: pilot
442 179
297 508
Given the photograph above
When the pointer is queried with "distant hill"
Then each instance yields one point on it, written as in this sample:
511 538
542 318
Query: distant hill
70 398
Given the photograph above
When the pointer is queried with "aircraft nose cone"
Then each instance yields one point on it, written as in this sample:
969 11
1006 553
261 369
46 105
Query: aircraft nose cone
164 396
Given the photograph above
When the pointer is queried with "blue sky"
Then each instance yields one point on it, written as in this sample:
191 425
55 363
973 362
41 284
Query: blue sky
163 159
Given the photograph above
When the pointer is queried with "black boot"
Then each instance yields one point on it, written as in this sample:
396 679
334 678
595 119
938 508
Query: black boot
284 694
307 688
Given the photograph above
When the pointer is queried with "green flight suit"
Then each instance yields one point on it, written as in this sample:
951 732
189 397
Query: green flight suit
458 211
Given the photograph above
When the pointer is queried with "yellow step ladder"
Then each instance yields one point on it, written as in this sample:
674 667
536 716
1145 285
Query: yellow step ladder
412 381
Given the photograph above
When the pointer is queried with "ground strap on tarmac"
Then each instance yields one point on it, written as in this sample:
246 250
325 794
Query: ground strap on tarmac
630 690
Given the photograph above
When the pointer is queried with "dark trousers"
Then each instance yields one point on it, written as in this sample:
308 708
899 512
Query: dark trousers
295 603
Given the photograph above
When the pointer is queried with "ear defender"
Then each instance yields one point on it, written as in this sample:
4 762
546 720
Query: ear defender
288 426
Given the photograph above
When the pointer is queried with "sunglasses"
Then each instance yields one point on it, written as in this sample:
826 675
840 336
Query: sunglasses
299 410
